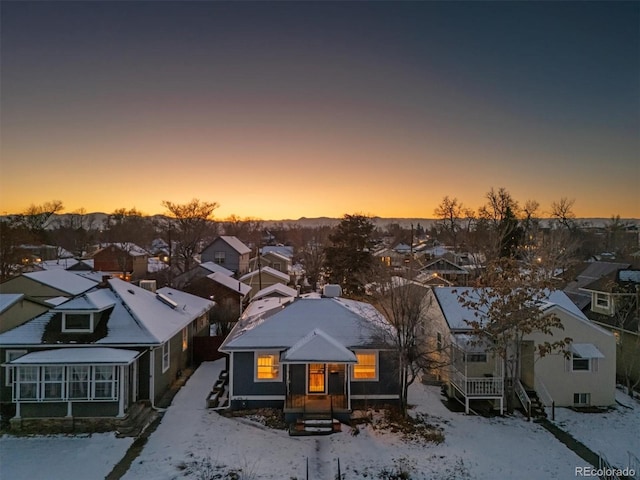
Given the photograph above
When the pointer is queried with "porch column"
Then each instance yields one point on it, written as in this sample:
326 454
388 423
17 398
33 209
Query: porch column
17 410
121 389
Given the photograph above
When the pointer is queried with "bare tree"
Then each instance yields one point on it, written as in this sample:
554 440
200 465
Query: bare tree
405 304
449 214
192 221
562 212
506 305
500 216
37 218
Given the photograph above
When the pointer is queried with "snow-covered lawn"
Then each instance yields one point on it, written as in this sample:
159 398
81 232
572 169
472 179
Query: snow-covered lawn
613 433
61 457
192 440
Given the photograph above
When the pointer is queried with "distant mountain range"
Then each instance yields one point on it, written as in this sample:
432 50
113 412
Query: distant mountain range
97 219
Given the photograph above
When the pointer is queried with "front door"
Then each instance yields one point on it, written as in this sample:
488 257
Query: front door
316 379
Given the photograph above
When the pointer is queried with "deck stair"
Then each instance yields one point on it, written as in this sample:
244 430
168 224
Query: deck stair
138 417
314 425
537 408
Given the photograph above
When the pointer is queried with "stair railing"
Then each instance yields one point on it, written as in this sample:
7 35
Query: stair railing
523 397
544 396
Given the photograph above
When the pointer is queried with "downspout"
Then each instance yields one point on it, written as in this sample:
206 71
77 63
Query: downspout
152 369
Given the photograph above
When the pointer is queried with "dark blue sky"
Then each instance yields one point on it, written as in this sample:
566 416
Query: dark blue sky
415 99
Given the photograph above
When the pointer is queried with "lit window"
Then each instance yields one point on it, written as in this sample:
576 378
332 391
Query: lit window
267 366
316 378
77 322
165 357
367 366
185 338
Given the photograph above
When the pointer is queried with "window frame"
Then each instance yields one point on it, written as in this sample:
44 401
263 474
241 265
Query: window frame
579 396
219 257
65 329
602 300
60 381
476 358
9 357
575 357
166 356
376 366
276 365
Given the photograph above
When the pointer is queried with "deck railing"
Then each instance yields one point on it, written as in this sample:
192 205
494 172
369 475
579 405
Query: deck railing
478 386
314 403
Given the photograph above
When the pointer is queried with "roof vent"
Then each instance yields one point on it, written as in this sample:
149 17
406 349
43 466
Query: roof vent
166 300
331 290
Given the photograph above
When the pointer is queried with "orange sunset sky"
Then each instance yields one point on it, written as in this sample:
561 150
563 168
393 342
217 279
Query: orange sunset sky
280 110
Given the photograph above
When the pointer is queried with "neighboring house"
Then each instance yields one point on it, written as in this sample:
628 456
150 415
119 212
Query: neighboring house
277 290
199 271
273 260
585 376
229 252
615 303
593 272
284 250
262 278
89 360
71 264
48 284
125 260
310 355
445 269
17 308
223 289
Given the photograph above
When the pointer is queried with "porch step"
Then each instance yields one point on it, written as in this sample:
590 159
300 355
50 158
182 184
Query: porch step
314 426
537 408
138 417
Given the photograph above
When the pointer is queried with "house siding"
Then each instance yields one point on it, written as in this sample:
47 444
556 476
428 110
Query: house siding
243 378
387 383
232 261
20 312
555 370
31 288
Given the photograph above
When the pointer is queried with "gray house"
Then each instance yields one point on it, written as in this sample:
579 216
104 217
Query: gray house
310 355
229 252
89 360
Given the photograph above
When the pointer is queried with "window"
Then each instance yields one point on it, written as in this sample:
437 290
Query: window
582 399
27 383
11 355
185 338
316 378
165 356
219 257
77 322
79 382
367 366
579 364
267 366
476 358
53 380
602 300
277 266
104 382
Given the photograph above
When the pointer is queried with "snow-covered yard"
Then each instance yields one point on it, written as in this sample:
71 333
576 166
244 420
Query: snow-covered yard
612 434
192 440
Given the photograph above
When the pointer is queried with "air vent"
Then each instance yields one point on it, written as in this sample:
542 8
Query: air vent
166 300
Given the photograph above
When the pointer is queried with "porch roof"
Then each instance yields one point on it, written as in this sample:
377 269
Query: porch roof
318 347
58 356
586 350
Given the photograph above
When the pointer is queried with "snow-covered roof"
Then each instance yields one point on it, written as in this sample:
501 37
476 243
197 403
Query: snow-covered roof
278 256
281 323
62 280
154 264
458 316
586 350
131 248
285 251
236 244
97 300
230 282
276 290
139 317
319 347
266 270
86 355
213 267
8 299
